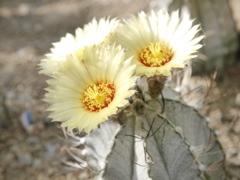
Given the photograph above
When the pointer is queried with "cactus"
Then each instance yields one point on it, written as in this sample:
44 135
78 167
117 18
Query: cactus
177 144
150 133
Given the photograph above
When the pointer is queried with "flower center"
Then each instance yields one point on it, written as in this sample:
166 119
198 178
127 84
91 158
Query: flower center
155 55
98 96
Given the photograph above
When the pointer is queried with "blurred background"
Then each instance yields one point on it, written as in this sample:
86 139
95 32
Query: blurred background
31 146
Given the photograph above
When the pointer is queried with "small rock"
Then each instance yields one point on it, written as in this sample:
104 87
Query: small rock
9 157
37 163
51 149
25 159
237 100
13 165
38 27
23 9
40 126
33 140
11 95
42 177
50 171
20 87
232 113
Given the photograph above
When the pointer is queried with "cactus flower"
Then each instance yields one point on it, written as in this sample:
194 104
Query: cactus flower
92 33
158 41
83 95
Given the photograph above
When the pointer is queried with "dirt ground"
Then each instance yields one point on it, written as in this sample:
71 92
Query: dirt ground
27 29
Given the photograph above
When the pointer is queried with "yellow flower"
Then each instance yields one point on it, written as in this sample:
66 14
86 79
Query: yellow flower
158 42
83 95
92 33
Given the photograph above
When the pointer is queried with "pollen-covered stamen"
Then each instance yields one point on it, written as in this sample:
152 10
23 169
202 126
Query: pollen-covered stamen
98 96
156 54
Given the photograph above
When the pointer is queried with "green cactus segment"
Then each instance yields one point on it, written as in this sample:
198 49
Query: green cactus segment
175 145
165 144
120 161
194 132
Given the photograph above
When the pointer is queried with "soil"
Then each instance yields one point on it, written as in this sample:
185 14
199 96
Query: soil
27 30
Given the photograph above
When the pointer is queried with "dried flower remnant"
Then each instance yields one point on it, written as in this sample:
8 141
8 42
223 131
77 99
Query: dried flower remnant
156 85
84 95
139 107
158 42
